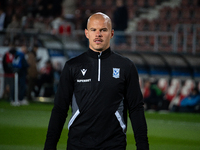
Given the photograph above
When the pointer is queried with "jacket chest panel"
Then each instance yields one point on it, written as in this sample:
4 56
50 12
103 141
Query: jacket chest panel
89 76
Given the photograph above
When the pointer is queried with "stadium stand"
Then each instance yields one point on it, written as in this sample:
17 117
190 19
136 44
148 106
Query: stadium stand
163 36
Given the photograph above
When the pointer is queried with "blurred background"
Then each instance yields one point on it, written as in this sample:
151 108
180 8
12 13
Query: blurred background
162 38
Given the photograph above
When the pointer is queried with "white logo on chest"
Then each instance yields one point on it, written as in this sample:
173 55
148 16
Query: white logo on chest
116 72
83 71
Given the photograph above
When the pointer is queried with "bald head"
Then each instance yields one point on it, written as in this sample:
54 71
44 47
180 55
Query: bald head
100 16
99 32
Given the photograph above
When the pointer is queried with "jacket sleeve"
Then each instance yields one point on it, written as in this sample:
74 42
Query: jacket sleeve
136 110
59 112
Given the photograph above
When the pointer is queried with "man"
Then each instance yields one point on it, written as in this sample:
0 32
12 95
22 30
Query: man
100 85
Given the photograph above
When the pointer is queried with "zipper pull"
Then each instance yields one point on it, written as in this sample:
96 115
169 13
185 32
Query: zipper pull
99 55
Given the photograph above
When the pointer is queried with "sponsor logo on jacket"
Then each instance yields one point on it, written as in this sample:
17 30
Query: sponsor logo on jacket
84 80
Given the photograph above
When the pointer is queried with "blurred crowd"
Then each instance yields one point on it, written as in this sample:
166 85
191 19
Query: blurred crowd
171 95
47 15
32 81
42 15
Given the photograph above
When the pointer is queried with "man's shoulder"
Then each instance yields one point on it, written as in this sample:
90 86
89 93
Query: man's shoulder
122 58
77 59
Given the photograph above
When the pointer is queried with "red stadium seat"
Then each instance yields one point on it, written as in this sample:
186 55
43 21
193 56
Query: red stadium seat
173 89
131 12
174 14
109 3
185 13
130 3
163 84
140 25
151 3
140 3
184 2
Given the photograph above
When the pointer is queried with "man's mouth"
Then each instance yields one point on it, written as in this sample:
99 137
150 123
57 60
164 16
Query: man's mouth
98 41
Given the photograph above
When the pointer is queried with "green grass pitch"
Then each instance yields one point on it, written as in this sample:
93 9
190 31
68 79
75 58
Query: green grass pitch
25 127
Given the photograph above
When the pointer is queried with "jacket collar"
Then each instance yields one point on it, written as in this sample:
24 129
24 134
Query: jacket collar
104 54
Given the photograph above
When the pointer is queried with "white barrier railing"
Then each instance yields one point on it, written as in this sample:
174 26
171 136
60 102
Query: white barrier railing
177 40
16 101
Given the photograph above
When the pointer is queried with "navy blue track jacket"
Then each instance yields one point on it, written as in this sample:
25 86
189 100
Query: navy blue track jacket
100 87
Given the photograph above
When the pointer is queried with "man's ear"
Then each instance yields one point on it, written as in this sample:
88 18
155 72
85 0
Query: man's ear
112 33
86 33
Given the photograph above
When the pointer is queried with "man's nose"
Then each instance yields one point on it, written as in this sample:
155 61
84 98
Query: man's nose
98 34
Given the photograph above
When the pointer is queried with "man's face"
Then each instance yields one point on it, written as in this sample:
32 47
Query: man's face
99 33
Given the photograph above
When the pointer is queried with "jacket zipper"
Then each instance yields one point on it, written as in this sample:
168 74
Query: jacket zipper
99 66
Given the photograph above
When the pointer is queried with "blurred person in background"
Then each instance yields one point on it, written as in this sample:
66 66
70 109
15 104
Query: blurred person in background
190 103
57 73
15 23
8 72
46 76
3 19
20 67
153 95
32 72
120 22
85 17
49 8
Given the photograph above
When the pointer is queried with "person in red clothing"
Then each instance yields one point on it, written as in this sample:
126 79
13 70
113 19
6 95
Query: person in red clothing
8 72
